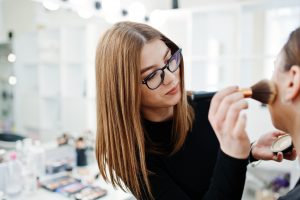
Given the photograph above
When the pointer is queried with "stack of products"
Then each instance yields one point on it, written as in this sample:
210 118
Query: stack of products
73 187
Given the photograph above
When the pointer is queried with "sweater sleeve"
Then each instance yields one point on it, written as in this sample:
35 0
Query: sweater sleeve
228 178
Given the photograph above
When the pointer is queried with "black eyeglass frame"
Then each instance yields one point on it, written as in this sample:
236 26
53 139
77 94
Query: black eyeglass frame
167 66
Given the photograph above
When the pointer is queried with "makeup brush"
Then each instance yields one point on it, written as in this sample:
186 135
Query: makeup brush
263 91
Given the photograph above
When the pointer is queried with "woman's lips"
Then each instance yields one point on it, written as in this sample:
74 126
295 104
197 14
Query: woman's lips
173 91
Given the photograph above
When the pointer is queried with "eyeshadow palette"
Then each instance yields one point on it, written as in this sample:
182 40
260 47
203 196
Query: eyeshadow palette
90 193
55 183
71 188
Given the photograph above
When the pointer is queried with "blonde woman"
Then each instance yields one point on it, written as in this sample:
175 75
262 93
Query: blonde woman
151 138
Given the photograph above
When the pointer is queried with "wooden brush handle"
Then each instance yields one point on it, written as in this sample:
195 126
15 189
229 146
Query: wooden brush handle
246 91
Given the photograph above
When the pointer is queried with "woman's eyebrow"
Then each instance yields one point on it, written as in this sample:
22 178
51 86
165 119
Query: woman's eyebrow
147 68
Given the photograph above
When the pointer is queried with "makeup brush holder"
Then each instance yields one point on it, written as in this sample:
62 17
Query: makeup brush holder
81 157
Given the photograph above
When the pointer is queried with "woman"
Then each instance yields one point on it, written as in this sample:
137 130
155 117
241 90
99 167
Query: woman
151 138
285 111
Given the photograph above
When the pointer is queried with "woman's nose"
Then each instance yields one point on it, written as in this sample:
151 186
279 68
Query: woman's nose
169 77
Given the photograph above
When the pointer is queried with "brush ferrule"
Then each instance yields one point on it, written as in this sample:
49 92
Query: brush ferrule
247 92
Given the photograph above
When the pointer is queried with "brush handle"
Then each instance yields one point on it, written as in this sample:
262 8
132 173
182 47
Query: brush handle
203 95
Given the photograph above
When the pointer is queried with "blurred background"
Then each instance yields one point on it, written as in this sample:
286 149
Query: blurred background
47 71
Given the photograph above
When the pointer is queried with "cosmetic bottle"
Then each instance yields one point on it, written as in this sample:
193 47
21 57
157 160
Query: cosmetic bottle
13 179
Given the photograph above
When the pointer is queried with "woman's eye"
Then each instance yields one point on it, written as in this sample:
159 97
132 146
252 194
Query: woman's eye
150 76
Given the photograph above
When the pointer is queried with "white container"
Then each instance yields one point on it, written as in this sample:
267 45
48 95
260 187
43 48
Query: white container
13 177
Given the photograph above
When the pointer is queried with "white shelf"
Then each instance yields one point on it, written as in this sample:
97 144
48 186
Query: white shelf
49 114
27 44
72 45
29 111
27 74
53 79
73 80
74 115
49 80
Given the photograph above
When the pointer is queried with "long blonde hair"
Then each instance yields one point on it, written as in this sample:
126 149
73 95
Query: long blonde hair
120 142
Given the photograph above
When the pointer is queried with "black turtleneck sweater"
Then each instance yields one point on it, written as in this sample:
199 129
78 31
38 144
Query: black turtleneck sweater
199 170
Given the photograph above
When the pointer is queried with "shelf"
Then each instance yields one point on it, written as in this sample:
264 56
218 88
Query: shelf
75 107
73 81
72 45
49 80
29 43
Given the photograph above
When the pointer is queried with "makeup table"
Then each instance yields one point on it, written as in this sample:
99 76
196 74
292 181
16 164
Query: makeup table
112 193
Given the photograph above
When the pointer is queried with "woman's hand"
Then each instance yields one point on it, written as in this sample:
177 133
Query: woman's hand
261 149
227 122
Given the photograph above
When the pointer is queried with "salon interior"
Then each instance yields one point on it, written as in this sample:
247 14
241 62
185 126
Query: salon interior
47 84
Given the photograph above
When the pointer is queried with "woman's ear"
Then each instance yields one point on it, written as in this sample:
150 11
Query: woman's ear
293 83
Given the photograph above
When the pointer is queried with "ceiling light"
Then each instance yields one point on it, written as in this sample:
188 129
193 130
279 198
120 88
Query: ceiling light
11 58
51 5
12 80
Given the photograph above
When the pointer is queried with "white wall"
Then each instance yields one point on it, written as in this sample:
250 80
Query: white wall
18 16
1 22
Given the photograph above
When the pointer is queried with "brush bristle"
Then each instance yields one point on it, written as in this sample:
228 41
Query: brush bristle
264 91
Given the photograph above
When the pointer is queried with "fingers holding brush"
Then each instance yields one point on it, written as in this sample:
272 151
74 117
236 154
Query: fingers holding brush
234 119
218 98
228 123
235 139
220 104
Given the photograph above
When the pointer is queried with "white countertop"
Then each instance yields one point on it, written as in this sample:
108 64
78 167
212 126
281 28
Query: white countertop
85 174
112 193
42 194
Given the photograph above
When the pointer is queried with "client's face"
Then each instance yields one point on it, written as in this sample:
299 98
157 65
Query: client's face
278 108
285 109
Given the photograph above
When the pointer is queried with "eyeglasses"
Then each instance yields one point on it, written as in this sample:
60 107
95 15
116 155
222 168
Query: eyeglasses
155 79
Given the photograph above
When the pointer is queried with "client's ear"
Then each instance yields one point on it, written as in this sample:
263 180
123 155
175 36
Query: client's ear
293 83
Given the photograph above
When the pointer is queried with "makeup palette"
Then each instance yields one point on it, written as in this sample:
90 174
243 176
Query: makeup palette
282 144
90 193
74 188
